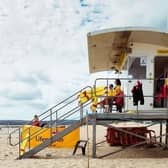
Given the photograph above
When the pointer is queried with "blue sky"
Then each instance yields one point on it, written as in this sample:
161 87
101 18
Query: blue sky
43 46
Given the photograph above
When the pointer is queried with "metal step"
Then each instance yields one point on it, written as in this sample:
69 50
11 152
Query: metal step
53 139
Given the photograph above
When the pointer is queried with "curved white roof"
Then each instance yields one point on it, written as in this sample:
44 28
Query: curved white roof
107 48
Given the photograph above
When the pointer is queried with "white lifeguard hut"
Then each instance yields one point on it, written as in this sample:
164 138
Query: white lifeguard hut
141 52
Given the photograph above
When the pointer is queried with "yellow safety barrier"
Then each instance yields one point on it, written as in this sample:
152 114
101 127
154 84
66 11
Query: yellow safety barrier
38 135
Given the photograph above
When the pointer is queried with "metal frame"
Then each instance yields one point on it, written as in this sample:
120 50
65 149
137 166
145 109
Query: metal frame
98 120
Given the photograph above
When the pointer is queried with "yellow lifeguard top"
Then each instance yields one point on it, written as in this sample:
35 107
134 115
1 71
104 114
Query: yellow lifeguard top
111 92
117 90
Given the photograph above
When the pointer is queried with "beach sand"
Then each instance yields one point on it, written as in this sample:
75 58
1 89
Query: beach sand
139 157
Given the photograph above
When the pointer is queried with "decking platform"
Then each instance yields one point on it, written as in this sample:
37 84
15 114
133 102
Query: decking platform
154 116
140 115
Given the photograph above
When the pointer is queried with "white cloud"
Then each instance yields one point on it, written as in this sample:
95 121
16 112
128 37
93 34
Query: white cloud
43 46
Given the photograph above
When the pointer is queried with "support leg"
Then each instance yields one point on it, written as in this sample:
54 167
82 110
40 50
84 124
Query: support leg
94 139
166 137
161 131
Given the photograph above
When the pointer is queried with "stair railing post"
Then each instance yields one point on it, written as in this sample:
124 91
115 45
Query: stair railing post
81 111
56 118
51 124
19 142
29 138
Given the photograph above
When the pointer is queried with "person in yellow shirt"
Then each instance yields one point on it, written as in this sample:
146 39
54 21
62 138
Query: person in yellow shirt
110 97
107 102
117 88
118 95
111 90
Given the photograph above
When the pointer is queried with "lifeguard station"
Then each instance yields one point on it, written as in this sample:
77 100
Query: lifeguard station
142 55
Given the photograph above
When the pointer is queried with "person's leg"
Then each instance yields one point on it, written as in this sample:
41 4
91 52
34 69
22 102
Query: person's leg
110 103
120 108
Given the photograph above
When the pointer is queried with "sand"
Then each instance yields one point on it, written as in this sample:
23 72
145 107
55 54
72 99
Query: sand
139 157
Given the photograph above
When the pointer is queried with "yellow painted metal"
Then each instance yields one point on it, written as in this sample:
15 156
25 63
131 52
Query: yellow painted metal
122 61
23 144
39 135
162 51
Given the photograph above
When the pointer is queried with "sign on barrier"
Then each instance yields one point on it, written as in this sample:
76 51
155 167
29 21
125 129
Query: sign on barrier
39 135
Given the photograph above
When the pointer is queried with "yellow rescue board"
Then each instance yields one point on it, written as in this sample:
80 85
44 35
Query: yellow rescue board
88 94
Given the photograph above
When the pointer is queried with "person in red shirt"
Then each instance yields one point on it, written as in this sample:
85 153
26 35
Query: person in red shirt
36 121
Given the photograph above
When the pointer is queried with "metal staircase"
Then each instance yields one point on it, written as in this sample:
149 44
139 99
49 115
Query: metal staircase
53 139
59 114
